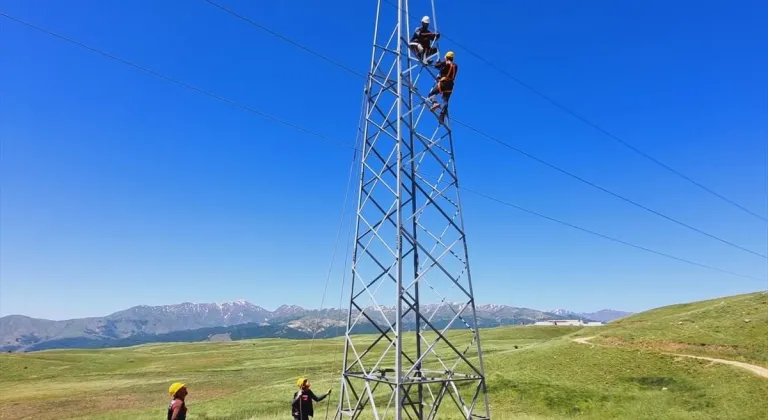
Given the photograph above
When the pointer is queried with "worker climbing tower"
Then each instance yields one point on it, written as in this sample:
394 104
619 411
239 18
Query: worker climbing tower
411 284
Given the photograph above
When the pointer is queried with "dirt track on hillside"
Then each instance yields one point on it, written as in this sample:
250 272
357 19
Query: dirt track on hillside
758 370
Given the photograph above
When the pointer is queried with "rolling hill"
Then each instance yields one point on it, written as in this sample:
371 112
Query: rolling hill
733 327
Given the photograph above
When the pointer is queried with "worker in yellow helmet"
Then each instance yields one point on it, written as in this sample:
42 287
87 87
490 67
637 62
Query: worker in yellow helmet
445 79
301 406
177 409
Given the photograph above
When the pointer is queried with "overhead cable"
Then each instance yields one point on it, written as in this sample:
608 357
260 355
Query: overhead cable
336 141
497 140
595 126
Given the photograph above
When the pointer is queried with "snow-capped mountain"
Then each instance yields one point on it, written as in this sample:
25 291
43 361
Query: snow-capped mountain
187 316
172 322
286 311
564 312
604 315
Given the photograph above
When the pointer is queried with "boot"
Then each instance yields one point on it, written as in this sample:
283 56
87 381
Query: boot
433 104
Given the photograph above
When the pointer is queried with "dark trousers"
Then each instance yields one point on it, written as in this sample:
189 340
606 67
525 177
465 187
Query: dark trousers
445 88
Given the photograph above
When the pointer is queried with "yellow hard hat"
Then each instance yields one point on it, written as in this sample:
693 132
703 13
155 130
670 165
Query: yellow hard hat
175 387
449 54
300 381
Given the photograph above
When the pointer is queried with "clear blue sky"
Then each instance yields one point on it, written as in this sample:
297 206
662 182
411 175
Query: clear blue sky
120 189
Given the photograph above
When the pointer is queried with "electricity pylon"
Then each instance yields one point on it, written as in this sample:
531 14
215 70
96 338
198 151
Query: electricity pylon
409 246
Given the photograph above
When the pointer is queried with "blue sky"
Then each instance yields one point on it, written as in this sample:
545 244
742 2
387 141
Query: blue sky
119 188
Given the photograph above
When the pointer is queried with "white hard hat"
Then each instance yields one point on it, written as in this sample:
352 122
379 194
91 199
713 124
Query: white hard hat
425 19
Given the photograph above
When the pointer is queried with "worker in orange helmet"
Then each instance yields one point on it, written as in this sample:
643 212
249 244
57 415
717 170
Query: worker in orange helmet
445 79
177 409
301 406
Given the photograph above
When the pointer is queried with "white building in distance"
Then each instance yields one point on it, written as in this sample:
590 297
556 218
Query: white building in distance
568 323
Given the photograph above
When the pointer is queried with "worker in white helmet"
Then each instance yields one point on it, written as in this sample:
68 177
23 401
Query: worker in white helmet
421 42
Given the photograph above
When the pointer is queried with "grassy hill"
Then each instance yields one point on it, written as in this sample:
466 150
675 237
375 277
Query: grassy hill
734 328
533 373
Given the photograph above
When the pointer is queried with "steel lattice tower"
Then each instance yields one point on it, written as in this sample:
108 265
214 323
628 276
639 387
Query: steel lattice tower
411 283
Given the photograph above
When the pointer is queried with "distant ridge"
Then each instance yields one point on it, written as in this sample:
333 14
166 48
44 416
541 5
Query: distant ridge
604 315
239 320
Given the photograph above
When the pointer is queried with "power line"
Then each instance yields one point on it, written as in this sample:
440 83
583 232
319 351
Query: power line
594 125
605 190
552 219
509 146
347 190
170 79
335 247
284 38
336 141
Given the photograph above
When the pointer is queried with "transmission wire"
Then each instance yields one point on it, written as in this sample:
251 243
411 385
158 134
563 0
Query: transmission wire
509 146
336 141
284 38
508 204
333 256
170 79
338 235
605 190
344 281
592 124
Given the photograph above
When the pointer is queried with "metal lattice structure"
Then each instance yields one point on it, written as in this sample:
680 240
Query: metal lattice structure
411 283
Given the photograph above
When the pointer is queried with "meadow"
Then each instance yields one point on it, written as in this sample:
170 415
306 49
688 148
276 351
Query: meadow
734 328
533 373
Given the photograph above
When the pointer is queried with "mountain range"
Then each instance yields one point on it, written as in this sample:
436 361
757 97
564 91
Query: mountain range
189 322
603 315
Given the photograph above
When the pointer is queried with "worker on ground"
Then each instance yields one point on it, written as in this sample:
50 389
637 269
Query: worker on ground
177 409
421 41
301 406
445 79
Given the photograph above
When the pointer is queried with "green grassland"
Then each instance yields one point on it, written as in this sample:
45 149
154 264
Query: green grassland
734 328
533 373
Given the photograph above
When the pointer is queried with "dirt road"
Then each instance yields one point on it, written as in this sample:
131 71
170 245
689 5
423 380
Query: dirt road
758 370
